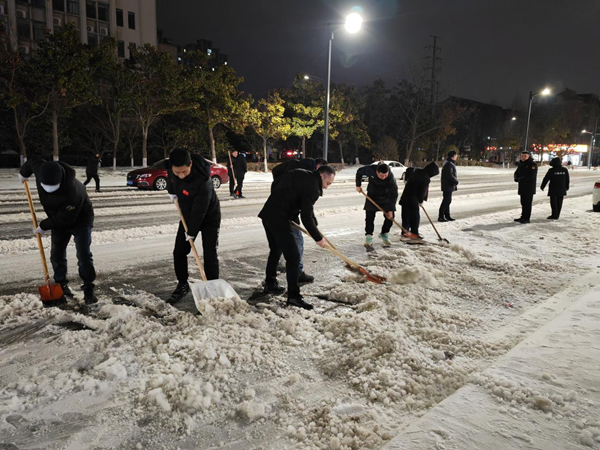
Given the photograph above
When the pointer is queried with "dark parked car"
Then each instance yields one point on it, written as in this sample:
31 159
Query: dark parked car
155 176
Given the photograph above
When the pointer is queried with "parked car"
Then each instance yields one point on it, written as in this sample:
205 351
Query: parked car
596 196
155 176
397 168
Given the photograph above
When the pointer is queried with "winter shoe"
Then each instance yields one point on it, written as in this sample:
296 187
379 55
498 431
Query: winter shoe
66 290
88 295
180 291
524 221
386 239
442 219
519 219
273 288
304 278
369 240
298 301
450 219
552 218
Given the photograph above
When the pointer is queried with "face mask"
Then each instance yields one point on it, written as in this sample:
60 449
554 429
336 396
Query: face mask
50 188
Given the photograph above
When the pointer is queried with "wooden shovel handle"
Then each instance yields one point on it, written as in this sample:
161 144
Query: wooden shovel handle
38 236
232 172
394 220
431 222
332 248
192 244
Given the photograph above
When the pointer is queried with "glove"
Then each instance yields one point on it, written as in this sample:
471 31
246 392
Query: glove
39 231
189 238
22 179
173 197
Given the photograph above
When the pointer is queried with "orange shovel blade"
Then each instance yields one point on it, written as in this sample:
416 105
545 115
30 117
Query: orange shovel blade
51 294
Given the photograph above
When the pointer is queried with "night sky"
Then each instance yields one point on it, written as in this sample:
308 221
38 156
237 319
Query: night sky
491 49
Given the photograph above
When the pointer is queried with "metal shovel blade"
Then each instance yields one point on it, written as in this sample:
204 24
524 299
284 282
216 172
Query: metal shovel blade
204 290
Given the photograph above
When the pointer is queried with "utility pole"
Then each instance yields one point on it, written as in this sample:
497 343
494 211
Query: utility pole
434 91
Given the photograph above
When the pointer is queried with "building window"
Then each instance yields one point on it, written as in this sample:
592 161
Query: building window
121 49
90 10
103 12
73 7
58 5
119 17
38 3
131 20
39 32
23 30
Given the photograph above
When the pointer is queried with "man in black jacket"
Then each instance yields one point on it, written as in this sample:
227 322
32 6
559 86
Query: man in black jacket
91 170
281 169
558 177
70 213
240 167
526 176
449 183
383 190
415 193
189 182
294 194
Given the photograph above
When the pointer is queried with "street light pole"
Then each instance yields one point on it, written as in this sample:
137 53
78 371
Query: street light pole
326 130
531 95
591 155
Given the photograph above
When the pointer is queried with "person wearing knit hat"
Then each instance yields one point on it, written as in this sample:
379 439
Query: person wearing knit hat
70 214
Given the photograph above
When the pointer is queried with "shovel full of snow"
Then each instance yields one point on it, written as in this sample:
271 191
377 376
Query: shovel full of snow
205 289
50 294
404 230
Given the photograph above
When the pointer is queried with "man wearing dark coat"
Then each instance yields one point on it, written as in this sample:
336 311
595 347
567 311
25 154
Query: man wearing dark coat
558 177
415 193
293 195
526 176
449 183
281 169
91 170
238 167
70 213
383 190
189 182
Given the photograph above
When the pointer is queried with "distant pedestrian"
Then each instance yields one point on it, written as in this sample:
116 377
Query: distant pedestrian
383 190
558 177
449 183
91 170
236 169
415 193
569 164
526 176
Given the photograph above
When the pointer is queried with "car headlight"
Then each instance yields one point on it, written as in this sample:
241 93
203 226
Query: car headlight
144 175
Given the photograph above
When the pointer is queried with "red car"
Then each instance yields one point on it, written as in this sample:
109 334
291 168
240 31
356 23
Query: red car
155 176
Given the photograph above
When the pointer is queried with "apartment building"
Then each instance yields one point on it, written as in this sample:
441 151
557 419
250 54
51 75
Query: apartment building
131 22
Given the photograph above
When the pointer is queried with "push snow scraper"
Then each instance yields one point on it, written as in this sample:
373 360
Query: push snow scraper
50 294
206 289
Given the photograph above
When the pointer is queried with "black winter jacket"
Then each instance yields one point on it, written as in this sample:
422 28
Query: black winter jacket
196 195
240 166
558 177
67 208
449 177
383 192
91 167
417 187
294 194
526 176
306 163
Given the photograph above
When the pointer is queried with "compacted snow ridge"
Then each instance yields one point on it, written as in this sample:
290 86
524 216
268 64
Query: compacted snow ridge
351 374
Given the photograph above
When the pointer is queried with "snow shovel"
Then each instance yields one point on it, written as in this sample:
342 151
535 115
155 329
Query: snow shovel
50 294
205 289
235 186
404 230
351 264
440 238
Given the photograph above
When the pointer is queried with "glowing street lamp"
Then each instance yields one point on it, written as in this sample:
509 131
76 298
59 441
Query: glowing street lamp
352 25
592 143
545 92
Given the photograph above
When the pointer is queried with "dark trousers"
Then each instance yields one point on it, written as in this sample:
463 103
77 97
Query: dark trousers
58 254
411 218
210 244
240 184
556 205
282 240
370 223
96 179
445 206
526 202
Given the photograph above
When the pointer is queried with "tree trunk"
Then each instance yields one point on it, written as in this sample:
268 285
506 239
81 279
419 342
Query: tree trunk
303 147
341 152
411 144
145 146
55 135
117 139
22 148
213 151
265 154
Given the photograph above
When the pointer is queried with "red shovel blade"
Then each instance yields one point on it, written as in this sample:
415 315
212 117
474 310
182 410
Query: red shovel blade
51 294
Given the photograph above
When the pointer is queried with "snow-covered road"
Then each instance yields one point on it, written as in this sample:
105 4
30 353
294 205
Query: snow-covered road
142 374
